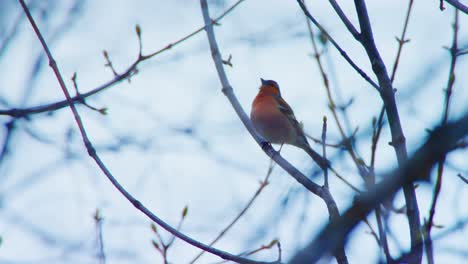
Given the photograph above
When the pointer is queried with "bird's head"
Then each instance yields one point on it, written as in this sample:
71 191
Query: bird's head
270 86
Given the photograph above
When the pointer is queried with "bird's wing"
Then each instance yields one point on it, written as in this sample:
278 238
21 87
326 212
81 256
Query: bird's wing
287 110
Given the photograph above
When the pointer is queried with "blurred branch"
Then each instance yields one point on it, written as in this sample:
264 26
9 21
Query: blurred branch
11 34
465 180
440 142
324 151
24 112
262 186
440 168
92 153
347 140
9 127
98 223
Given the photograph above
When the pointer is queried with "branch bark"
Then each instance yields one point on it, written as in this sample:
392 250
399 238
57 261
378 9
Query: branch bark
387 94
441 141
228 91
92 153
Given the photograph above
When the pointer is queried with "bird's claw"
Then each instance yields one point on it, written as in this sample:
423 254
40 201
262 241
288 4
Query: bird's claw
265 145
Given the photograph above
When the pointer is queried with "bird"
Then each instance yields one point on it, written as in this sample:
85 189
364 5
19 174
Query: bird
274 120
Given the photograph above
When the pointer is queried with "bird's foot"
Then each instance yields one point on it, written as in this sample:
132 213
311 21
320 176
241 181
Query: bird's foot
265 145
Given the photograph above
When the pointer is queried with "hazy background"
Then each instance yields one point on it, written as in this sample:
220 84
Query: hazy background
172 139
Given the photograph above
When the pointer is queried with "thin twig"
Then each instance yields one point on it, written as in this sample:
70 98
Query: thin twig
331 102
372 231
382 235
261 248
345 20
324 150
377 132
335 44
98 222
387 94
262 186
440 169
401 41
23 112
229 93
465 180
92 152
335 235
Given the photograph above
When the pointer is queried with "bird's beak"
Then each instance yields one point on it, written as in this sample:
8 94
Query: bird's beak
263 81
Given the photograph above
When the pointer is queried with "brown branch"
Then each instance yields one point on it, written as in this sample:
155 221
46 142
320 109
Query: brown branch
332 105
440 142
261 248
92 153
387 94
401 41
24 112
440 168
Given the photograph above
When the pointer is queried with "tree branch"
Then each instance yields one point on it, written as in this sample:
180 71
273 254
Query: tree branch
92 152
228 91
440 168
24 112
398 139
458 5
345 20
440 142
335 44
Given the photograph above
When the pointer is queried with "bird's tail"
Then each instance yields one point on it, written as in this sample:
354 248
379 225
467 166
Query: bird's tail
321 161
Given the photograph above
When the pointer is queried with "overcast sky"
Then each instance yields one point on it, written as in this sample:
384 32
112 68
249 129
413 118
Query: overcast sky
172 139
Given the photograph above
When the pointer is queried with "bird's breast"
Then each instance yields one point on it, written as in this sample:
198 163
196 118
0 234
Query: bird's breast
271 123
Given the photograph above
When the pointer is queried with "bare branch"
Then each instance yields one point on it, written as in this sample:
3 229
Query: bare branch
92 152
387 94
228 91
262 186
401 41
345 20
440 142
440 168
23 112
458 5
465 180
335 44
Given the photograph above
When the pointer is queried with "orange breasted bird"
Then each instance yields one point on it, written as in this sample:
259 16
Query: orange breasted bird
274 120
